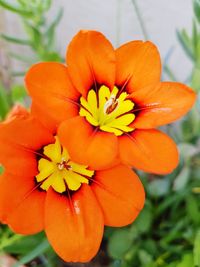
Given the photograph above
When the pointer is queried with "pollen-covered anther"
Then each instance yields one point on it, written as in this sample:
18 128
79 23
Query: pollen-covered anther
61 166
64 165
110 105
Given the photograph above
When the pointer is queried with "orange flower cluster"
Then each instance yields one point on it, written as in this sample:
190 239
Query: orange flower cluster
67 162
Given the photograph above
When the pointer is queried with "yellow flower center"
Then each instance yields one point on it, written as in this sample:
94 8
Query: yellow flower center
108 111
59 172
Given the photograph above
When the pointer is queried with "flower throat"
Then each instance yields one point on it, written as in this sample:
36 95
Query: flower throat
56 170
108 110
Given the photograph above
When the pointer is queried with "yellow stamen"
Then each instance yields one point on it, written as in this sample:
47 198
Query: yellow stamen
59 172
112 113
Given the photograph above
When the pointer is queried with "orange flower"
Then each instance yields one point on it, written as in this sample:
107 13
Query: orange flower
110 101
44 188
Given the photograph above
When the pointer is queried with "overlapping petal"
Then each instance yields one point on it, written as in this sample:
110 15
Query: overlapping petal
52 91
91 60
162 104
21 204
19 139
45 116
138 65
149 150
74 225
120 195
87 145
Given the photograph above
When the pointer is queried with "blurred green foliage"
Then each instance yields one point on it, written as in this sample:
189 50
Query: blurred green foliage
167 232
40 34
39 38
40 41
191 45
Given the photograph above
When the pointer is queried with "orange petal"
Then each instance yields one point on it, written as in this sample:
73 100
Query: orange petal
26 132
19 139
87 145
45 117
138 65
21 205
17 161
149 150
74 226
162 104
50 87
120 195
16 111
91 59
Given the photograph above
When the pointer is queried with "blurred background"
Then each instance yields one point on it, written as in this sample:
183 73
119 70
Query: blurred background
118 20
167 232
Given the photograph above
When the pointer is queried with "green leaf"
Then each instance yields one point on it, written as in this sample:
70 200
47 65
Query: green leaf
150 245
145 257
159 187
4 102
119 243
187 150
195 83
173 264
187 261
174 233
40 249
35 36
144 221
51 56
198 52
18 93
50 32
197 250
190 126
131 253
14 40
168 202
195 38
16 9
182 179
25 244
116 263
193 209
47 4
186 43
196 7
198 102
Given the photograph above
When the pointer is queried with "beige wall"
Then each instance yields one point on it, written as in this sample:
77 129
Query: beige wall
118 21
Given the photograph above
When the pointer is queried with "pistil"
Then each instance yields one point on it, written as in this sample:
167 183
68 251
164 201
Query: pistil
110 105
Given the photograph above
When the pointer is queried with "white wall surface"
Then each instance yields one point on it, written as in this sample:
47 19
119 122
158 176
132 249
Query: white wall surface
118 21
